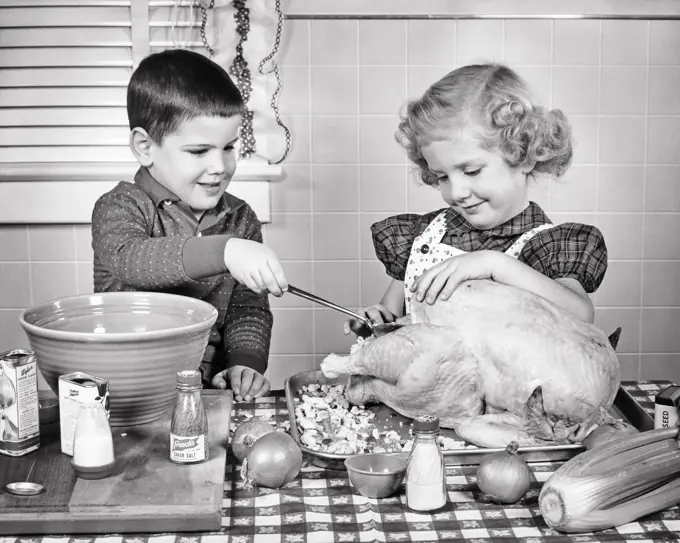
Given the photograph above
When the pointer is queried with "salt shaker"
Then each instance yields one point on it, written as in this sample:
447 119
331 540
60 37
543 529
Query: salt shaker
93 454
425 473
189 427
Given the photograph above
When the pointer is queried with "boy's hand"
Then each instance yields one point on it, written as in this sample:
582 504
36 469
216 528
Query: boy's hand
442 279
246 383
377 314
255 265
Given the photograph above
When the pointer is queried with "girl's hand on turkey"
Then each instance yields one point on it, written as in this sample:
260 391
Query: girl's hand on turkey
441 280
377 314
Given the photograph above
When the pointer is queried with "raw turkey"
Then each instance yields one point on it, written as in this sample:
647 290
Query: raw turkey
494 363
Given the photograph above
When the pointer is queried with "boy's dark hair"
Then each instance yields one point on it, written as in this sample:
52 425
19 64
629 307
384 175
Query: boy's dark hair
176 85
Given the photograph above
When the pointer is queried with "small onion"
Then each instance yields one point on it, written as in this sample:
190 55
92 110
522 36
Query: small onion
275 460
504 476
247 434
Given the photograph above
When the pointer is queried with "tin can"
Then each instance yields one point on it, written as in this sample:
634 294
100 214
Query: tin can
76 389
666 407
19 421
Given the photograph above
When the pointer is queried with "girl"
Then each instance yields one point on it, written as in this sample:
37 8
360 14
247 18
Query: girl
478 136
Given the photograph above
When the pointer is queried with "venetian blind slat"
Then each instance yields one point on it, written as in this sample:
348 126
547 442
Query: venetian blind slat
63 136
171 26
64 56
47 3
75 16
162 37
165 16
32 154
65 77
64 69
60 96
65 37
63 116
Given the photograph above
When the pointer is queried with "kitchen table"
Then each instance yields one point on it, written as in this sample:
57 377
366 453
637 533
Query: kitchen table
320 505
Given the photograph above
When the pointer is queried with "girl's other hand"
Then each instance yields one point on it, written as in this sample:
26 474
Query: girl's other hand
441 280
377 314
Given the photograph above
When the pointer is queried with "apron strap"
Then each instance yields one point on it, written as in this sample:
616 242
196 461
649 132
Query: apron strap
433 233
422 253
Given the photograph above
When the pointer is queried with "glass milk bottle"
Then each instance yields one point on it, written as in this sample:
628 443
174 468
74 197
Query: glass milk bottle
425 474
93 454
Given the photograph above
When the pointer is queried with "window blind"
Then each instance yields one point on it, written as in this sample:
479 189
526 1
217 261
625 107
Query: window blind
64 67
64 70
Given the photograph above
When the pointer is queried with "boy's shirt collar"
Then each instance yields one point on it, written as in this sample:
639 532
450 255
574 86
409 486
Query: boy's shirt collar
160 194
157 192
530 218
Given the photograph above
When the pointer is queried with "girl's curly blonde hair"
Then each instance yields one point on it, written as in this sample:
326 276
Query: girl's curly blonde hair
495 104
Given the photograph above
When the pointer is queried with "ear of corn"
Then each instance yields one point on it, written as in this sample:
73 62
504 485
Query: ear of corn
614 483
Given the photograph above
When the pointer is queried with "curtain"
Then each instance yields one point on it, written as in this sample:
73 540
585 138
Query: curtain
247 41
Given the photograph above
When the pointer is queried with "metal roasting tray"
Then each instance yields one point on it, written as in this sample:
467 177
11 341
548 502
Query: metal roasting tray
625 407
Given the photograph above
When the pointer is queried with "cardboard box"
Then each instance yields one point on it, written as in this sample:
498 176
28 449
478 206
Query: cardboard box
75 389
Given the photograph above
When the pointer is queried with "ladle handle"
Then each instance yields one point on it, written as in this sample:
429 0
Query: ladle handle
321 301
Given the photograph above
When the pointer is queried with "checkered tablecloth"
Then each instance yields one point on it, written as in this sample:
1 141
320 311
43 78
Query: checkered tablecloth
321 506
644 392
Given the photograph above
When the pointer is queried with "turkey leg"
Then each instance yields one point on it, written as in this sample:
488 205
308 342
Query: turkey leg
495 430
389 357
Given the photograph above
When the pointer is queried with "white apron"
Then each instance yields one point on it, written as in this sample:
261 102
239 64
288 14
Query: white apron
427 250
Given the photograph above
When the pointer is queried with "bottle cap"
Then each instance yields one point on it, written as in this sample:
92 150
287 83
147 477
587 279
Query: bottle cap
425 423
190 378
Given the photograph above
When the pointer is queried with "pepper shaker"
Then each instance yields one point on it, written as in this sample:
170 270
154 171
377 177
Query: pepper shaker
189 428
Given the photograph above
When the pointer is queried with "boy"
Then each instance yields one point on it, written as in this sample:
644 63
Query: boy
176 229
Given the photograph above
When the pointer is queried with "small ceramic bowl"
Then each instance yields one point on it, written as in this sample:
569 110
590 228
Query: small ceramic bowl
376 475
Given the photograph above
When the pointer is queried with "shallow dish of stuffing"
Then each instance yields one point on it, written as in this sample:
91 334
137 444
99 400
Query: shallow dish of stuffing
329 429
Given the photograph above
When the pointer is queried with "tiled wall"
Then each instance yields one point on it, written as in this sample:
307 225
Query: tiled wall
344 82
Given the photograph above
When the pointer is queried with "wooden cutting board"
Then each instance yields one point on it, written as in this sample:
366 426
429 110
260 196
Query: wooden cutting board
146 493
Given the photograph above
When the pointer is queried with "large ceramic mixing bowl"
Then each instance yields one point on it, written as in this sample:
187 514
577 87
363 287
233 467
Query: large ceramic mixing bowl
138 341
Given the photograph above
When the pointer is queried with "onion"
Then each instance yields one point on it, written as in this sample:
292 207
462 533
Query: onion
504 476
247 434
606 432
273 461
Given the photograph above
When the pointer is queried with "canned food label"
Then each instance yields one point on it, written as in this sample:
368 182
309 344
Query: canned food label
666 407
665 416
19 423
187 449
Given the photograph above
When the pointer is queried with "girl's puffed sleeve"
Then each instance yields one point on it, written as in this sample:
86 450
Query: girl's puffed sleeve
392 240
569 250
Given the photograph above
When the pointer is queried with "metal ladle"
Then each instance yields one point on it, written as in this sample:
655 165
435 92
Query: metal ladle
368 329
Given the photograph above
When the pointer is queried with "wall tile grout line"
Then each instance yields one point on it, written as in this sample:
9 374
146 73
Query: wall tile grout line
75 251
310 128
644 203
358 165
30 267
